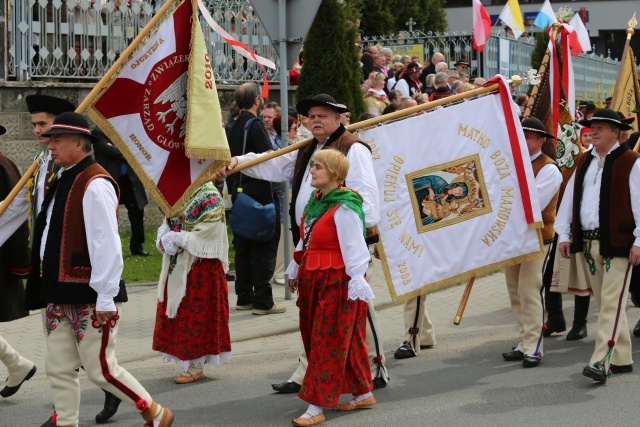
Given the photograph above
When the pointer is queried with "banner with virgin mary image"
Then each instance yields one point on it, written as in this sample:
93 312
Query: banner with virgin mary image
457 194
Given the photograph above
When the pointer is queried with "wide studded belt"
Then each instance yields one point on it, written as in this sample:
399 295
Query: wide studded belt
591 234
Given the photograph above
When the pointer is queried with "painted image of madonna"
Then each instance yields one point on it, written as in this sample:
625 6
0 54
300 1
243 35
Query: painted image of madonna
437 197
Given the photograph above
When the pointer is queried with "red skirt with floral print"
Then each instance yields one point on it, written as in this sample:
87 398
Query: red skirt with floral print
201 326
334 336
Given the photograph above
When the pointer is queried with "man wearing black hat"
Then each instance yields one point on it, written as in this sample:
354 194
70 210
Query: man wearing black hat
598 220
76 264
14 255
524 281
408 82
43 109
461 66
324 113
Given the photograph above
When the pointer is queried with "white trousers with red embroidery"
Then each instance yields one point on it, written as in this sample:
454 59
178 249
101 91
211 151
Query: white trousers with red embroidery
73 339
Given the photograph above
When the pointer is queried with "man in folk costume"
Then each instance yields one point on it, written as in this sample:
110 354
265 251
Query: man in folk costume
76 264
324 120
26 206
14 264
598 220
408 82
524 281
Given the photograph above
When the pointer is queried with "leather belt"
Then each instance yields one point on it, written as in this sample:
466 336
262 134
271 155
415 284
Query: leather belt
591 234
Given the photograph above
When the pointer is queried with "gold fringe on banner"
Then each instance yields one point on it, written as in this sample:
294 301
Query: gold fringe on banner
432 287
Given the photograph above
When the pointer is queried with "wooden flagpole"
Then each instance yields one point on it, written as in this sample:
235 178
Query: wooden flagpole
94 92
515 81
541 71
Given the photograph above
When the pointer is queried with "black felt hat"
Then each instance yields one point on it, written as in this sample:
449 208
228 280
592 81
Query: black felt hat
48 104
462 63
3 130
70 123
322 100
606 115
625 119
533 124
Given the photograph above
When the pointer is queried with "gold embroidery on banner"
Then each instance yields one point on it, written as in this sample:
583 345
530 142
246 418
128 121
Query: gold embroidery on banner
448 193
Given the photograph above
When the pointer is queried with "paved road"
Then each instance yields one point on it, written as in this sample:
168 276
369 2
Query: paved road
461 381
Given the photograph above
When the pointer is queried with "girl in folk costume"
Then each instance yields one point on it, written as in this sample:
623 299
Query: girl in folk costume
192 319
376 99
328 272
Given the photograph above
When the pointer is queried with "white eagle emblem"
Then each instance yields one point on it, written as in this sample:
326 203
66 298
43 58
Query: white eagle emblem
176 94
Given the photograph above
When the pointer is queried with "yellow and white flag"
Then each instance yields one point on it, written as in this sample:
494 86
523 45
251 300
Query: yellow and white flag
512 17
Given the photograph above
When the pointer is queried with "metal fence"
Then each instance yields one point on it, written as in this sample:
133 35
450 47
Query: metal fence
594 74
81 39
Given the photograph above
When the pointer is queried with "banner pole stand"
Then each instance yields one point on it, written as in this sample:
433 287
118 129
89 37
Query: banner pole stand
463 301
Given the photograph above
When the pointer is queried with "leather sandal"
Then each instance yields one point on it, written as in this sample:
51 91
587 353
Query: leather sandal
312 420
357 404
186 378
149 414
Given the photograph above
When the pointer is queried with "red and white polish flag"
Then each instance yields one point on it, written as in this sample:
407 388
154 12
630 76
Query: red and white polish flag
481 26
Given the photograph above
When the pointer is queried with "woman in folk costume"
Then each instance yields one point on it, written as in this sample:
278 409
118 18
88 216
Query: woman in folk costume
329 267
192 320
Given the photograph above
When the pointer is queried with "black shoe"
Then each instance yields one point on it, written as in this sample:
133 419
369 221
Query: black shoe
554 326
577 332
49 423
621 369
531 361
636 330
10 391
405 351
596 373
111 404
634 300
139 251
513 356
286 387
379 383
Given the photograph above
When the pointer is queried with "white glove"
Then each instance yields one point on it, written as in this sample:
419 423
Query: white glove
173 241
164 229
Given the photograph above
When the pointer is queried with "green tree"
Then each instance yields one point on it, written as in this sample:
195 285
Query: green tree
331 58
539 50
437 18
376 18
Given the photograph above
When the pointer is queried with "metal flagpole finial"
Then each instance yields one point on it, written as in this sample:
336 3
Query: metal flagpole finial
632 24
516 80
532 77
565 14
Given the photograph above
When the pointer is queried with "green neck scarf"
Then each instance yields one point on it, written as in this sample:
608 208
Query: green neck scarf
319 204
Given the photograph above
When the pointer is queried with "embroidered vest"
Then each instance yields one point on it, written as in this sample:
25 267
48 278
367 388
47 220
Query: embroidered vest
549 212
616 216
323 251
341 140
66 267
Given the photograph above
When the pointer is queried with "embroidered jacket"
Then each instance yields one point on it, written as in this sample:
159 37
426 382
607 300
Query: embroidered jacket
65 270
616 216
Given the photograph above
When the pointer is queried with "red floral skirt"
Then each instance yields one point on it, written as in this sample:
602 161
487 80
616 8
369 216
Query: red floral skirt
201 327
334 336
